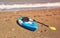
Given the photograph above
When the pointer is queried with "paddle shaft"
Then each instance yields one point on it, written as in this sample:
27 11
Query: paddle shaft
41 23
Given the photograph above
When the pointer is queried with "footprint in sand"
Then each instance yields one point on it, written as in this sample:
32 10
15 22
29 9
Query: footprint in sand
37 16
54 14
48 15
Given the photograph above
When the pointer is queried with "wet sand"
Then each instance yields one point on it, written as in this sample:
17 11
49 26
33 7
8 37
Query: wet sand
10 29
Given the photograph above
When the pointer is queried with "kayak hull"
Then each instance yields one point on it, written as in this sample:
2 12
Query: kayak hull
28 26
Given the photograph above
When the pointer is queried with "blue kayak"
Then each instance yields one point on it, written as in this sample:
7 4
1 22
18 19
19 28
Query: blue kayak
31 25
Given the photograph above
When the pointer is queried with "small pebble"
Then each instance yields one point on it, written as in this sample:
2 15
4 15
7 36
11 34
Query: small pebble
45 30
34 16
41 31
55 14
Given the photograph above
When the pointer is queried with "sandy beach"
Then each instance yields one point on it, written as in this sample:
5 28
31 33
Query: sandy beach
10 29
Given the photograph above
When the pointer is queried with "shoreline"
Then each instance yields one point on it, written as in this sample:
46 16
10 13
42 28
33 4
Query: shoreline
36 6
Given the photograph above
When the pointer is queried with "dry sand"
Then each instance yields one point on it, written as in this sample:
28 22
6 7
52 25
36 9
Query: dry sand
10 29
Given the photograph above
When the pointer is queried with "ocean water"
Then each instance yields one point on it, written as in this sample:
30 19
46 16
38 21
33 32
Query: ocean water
12 2
28 1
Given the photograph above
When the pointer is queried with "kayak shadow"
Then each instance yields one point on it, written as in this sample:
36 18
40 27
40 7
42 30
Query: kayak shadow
22 26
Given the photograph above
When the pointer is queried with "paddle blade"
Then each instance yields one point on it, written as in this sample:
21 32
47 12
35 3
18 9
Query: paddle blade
52 28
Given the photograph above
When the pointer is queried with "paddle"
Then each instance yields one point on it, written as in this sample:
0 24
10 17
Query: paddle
50 27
